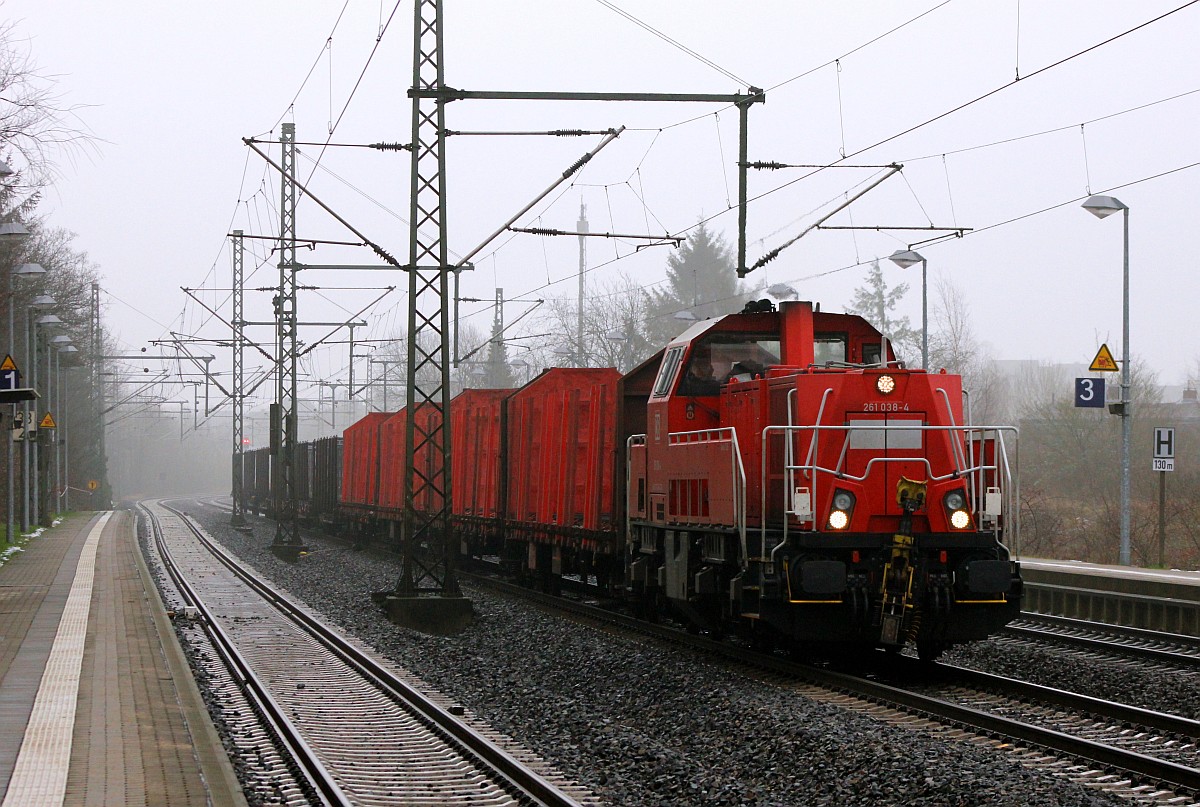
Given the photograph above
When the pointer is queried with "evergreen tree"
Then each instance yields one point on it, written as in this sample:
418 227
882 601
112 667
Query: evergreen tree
875 303
499 373
701 280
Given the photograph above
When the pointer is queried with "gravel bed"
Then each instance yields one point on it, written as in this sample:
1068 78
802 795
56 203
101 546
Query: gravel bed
645 725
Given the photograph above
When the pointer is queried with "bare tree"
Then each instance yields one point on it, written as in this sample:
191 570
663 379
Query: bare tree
35 122
1070 461
614 327
954 346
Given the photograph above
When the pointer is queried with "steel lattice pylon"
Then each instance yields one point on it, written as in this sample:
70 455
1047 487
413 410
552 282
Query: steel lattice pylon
287 530
238 517
428 394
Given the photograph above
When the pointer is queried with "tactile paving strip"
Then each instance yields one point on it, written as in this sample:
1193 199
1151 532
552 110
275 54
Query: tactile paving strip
40 776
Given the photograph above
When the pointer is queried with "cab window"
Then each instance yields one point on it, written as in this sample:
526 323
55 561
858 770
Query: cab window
721 358
829 348
667 371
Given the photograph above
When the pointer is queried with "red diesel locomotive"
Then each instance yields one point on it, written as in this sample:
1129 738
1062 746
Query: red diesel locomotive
765 472
805 489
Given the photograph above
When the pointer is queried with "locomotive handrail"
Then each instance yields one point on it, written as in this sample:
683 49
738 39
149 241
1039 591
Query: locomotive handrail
630 441
958 452
1013 488
969 420
1001 467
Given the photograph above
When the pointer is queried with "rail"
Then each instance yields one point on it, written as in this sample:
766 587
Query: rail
525 784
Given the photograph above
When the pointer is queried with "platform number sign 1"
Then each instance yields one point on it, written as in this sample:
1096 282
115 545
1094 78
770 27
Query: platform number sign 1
1089 392
1164 449
10 376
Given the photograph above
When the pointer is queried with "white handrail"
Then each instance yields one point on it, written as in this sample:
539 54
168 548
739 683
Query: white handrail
737 471
1001 467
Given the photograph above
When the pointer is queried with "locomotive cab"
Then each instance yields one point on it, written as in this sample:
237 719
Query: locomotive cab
791 483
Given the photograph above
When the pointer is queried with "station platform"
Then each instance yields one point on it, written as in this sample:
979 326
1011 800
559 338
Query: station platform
97 704
1165 600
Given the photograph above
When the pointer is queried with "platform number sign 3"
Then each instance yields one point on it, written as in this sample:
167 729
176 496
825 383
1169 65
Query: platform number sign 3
1089 392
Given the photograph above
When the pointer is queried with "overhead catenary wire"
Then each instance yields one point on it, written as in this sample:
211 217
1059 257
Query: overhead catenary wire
675 43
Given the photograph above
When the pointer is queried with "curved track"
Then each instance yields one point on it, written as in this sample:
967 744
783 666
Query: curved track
354 732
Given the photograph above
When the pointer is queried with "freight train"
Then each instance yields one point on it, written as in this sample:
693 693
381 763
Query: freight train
776 472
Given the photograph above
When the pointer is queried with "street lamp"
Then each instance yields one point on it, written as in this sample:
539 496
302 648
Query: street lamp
13 231
905 258
54 405
46 321
565 353
1100 207
522 368
60 433
782 291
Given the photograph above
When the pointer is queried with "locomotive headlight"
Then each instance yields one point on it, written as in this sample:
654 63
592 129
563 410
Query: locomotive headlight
955 503
843 506
885 384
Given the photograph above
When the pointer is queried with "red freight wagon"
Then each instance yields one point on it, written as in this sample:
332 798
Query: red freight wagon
477 482
360 463
391 480
561 431
426 496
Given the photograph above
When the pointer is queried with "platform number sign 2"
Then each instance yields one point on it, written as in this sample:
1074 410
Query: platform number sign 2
1089 392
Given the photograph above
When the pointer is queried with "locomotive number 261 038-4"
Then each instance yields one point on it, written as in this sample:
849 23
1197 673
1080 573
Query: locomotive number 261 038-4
885 406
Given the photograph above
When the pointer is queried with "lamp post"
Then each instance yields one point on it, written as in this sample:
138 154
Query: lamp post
13 231
1100 207
54 383
905 258
38 303
63 468
46 321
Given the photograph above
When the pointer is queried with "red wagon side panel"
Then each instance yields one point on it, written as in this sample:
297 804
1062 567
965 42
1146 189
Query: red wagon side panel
391 463
561 455
475 424
360 461
392 450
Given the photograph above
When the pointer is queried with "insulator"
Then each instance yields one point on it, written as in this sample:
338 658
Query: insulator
392 146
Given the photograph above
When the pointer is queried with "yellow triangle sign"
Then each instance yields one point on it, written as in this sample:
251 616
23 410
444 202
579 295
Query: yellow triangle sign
8 363
1104 361
47 422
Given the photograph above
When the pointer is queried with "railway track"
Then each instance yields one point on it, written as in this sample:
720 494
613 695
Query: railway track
345 727
1109 640
1145 755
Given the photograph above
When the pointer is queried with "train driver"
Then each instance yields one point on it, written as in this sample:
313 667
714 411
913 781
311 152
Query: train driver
701 377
